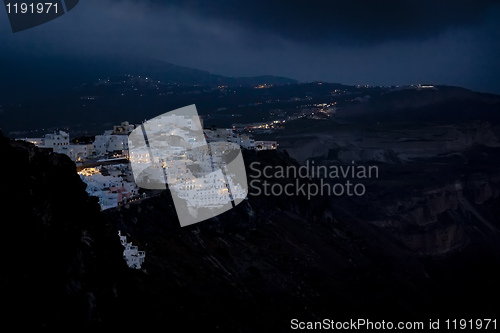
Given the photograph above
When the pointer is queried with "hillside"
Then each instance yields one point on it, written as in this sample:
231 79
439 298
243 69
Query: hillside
24 78
272 258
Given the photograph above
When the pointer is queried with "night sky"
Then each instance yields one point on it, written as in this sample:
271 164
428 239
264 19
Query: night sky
352 42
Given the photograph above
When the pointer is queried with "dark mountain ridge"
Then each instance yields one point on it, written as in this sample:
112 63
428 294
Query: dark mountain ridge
438 104
24 78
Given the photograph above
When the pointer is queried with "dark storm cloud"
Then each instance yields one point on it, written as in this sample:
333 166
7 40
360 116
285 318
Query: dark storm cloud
354 42
348 21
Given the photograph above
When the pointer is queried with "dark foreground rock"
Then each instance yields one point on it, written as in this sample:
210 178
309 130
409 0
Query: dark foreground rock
61 261
258 266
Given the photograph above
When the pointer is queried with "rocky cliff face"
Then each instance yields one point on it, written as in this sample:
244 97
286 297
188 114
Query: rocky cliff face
436 181
389 143
275 257
442 219
255 267
61 262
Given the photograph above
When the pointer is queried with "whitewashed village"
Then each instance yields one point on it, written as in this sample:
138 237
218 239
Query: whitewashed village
104 166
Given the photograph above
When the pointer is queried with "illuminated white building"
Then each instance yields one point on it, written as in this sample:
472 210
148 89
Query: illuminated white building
75 152
55 139
131 254
50 140
266 145
111 189
109 143
59 142
247 142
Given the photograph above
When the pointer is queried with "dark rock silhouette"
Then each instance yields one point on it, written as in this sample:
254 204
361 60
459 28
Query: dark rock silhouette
269 260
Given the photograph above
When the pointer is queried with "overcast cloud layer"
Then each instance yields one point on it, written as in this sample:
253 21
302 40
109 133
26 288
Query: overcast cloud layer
354 42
